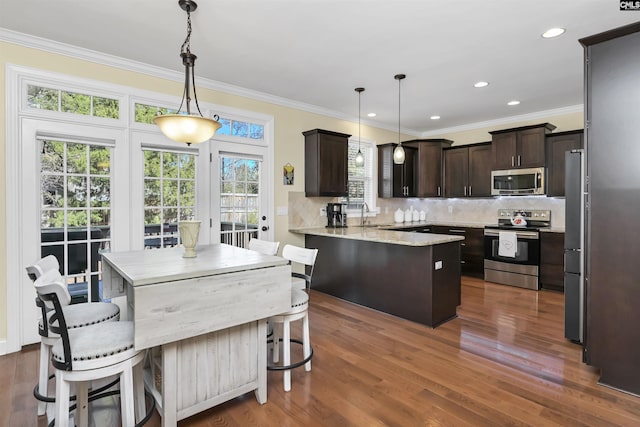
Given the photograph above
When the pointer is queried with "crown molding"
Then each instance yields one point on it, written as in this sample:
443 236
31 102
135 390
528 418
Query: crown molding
102 58
506 120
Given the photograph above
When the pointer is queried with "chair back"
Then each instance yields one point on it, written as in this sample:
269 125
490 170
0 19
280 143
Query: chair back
264 246
52 291
304 256
45 264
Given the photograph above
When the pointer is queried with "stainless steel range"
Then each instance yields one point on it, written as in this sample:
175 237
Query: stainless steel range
512 247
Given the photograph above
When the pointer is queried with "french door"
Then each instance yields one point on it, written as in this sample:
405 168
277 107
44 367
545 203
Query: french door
240 195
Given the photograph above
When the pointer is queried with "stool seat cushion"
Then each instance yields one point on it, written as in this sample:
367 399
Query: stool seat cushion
85 314
299 298
111 341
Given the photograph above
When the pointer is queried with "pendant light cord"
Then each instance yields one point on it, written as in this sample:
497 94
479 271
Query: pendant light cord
399 81
359 95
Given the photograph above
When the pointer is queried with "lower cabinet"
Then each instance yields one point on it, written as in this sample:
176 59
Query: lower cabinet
472 248
552 261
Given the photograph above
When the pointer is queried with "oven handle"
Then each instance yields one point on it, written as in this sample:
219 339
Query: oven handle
524 234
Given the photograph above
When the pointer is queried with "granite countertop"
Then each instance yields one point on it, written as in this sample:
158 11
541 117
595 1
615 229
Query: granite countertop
376 234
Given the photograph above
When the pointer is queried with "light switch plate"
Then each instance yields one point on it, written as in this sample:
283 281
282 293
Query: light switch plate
438 265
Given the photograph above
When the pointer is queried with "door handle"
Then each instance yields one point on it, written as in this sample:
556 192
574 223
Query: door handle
264 228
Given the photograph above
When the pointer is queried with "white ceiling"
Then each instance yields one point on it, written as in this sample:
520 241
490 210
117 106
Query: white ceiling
317 51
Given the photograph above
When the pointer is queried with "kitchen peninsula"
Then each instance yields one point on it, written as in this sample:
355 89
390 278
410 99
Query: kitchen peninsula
203 318
415 276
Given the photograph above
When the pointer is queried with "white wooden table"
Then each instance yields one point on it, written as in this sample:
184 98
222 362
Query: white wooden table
203 318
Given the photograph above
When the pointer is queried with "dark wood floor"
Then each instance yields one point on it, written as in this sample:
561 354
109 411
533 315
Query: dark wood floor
503 361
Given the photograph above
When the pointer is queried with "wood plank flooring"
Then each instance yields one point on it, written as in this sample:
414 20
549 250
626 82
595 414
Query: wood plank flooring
503 361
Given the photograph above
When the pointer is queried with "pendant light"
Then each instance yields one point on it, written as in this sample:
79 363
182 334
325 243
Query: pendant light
359 156
184 126
398 152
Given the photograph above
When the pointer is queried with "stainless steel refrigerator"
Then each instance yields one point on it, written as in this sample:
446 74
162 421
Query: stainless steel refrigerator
574 292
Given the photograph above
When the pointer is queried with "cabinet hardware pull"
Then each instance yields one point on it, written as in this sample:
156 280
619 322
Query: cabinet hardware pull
438 190
456 230
465 190
469 190
519 163
513 163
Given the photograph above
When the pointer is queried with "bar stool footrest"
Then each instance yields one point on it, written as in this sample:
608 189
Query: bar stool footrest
292 365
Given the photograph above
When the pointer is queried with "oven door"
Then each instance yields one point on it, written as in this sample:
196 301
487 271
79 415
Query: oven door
527 249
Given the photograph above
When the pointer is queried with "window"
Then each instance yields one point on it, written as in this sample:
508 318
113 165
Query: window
145 113
242 129
169 195
360 181
44 98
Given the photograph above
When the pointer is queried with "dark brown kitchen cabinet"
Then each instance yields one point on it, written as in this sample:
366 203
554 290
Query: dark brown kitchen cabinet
471 248
467 171
552 260
325 161
518 148
397 180
557 145
429 165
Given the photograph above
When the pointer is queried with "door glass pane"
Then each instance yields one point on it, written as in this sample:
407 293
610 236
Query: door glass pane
169 196
239 200
75 191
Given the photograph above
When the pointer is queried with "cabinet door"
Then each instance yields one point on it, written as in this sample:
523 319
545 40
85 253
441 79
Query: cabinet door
503 148
429 172
479 181
332 168
409 172
557 146
473 253
530 151
455 172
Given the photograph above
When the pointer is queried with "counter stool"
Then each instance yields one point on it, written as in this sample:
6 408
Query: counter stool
299 310
76 315
90 353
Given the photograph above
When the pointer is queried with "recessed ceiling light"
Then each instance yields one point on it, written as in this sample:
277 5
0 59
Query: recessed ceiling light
371 114
481 84
553 32
435 117
514 102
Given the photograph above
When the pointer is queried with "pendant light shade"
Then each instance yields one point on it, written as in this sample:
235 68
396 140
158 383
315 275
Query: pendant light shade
398 152
359 157
183 126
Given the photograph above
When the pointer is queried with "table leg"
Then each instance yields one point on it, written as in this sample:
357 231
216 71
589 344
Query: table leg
261 391
169 385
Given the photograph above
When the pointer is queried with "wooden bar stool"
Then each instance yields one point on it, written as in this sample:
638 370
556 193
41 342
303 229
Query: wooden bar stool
90 353
299 310
76 315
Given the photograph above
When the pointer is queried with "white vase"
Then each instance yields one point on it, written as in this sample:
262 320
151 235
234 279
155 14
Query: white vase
189 231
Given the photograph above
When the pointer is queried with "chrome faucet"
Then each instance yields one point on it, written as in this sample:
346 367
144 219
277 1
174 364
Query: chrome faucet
364 204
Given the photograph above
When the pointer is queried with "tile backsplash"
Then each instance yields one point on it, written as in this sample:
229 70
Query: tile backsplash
305 211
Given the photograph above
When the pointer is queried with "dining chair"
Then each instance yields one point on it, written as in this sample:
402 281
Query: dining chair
299 310
264 246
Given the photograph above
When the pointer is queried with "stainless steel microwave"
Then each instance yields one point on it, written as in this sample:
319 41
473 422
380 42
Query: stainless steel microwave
517 182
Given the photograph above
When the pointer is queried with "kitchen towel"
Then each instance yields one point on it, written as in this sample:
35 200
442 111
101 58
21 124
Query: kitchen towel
507 243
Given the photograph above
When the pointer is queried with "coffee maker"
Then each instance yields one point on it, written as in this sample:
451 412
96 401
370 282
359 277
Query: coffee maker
336 215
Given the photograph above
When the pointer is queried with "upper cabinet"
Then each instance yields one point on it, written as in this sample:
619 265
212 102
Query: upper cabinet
467 171
325 161
522 147
429 165
397 180
557 145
